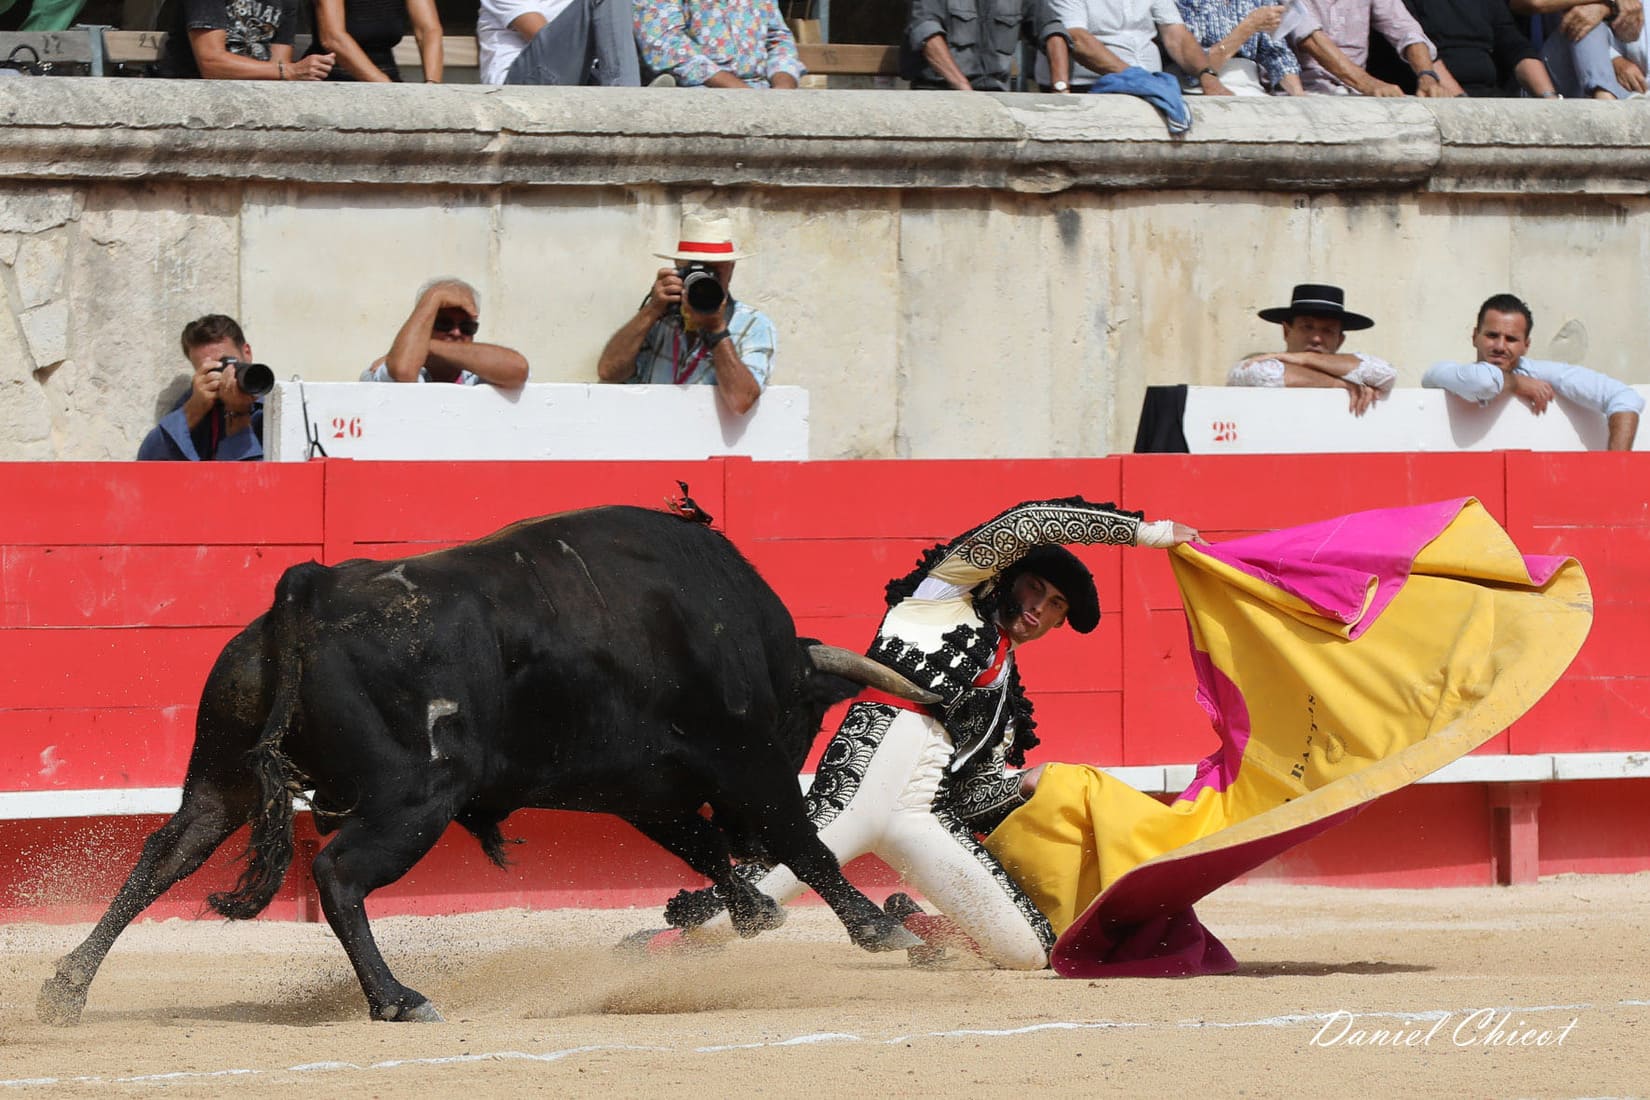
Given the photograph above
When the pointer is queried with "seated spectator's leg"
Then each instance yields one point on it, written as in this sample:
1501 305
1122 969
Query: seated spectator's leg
1582 68
1593 64
613 37
560 53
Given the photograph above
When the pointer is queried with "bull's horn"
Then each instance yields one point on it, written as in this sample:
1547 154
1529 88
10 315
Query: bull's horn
862 670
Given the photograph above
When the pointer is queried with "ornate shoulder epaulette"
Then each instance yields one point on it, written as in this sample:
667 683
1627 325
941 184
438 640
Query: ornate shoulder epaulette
901 588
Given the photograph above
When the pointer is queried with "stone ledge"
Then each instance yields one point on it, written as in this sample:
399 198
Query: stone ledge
1530 145
478 136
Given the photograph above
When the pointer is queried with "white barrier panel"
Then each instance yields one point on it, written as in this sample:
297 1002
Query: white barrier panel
1150 778
386 421
1244 420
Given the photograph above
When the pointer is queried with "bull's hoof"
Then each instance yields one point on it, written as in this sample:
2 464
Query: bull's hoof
60 1002
755 915
884 934
691 908
421 1013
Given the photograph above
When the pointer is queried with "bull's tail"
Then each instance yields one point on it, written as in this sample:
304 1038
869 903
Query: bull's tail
269 850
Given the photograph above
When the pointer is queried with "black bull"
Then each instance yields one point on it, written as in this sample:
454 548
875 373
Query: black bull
615 660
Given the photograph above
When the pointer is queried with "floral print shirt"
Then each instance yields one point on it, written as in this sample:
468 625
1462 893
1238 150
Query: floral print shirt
1213 20
693 40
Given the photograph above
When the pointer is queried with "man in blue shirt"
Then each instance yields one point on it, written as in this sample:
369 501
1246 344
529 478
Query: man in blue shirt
1501 337
216 421
672 340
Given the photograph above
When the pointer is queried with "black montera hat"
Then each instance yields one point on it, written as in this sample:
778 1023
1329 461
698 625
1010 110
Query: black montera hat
1061 568
1318 300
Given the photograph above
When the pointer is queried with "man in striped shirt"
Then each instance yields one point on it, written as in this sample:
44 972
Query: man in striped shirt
689 329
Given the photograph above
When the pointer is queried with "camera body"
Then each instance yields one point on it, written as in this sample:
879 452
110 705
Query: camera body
254 379
700 288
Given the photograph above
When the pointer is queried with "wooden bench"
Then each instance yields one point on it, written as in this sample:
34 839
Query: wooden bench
838 59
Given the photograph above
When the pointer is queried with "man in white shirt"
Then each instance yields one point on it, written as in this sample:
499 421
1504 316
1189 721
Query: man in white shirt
1315 324
1501 337
557 42
1108 36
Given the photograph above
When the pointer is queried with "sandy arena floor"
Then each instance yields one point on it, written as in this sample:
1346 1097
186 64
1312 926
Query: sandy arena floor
536 1005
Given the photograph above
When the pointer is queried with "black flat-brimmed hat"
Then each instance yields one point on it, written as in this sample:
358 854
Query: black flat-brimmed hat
1318 300
1061 568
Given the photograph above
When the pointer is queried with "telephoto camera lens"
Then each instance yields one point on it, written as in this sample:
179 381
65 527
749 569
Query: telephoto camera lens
254 379
701 290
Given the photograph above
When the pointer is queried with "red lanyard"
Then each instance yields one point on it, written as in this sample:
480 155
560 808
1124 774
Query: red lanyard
681 372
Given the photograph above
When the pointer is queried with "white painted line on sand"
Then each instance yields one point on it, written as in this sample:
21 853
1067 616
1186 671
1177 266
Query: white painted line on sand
810 1039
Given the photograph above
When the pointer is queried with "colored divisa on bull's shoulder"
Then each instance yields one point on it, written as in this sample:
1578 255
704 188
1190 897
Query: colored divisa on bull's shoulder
615 660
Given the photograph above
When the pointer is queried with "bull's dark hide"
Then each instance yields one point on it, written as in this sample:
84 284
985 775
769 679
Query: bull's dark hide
616 660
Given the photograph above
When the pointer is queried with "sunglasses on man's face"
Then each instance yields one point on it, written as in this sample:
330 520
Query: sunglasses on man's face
463 325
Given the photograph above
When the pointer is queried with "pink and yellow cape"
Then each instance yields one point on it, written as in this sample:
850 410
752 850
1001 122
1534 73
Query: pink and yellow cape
1338 662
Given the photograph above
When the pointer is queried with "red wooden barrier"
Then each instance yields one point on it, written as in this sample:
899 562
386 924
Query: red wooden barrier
119 583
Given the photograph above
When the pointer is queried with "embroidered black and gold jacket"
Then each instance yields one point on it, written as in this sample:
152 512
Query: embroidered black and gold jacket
945 644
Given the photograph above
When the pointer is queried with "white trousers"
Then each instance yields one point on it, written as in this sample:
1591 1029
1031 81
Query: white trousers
892 815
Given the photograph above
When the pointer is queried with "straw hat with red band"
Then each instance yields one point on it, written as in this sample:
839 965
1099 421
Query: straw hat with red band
707 240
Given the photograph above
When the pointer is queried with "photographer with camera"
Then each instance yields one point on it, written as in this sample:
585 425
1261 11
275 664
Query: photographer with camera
437 343
221 418
690 330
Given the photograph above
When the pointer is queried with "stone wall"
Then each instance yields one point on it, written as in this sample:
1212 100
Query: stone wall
950 275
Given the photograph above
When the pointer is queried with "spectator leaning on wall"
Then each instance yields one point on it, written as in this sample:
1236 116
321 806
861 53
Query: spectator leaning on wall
969 45
557 42
689 330
1109 36
1500 337
1481 44
238 40
437 343
1332 39
717 43
1244 49
216 421
1315 324
362 34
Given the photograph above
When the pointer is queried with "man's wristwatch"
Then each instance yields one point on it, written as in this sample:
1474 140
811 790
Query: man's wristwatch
1615 10
1427 72
1061 86
711 339
1206 71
